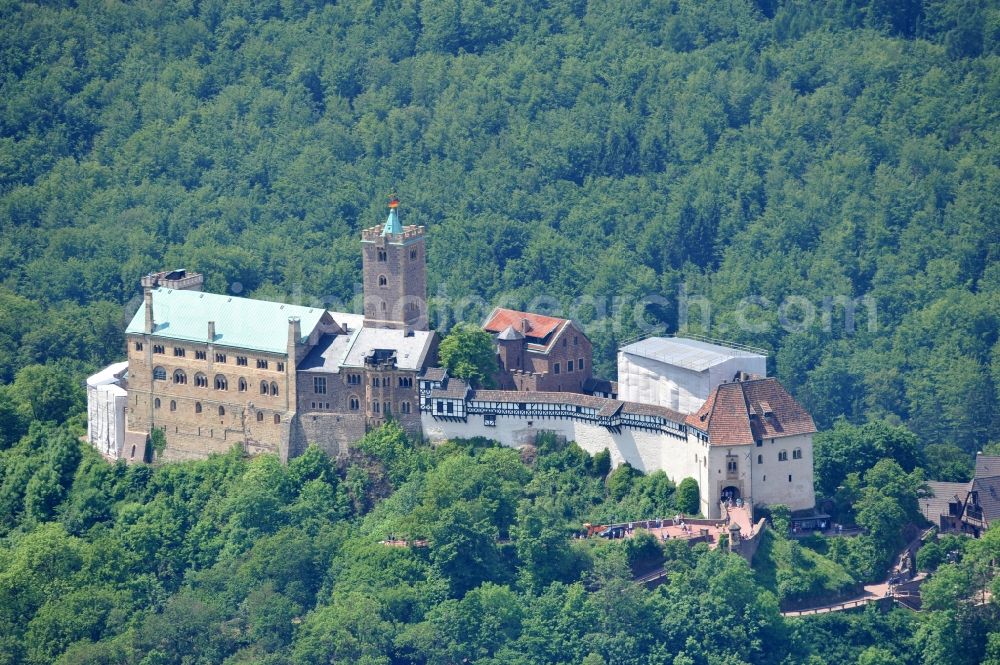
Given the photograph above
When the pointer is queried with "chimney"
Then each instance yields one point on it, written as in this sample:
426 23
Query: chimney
525 326
147 298
294 335
211 331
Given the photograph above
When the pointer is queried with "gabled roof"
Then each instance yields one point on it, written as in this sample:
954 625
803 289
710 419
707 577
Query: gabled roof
510 334
242 323
539 326
988 493
433 374
452 389
987 466
592 385
941 495
736 413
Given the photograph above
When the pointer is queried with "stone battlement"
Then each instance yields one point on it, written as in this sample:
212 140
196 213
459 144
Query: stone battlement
174 279
375 233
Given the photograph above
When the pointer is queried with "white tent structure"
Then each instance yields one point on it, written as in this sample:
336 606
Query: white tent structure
679 372
106 400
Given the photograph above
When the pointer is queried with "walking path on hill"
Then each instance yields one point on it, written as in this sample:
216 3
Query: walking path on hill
871 594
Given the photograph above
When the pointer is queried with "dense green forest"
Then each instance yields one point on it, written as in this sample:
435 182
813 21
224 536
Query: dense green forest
562 154
249 561
623 163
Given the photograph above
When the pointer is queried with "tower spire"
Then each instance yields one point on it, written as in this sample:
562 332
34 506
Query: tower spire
392 225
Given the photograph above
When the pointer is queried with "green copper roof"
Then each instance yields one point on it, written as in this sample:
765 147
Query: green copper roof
239 322
392 224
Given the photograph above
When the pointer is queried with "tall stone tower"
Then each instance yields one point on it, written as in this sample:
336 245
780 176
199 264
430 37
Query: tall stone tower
395 274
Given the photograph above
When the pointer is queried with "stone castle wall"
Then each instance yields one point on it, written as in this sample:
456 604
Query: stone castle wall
246 415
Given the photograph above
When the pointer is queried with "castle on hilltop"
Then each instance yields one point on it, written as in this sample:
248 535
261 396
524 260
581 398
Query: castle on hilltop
211 371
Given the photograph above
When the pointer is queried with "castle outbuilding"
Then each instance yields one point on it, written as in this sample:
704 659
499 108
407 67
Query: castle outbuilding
539 353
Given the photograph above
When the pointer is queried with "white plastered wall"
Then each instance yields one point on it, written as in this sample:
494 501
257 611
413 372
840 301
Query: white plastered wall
770 484
645 450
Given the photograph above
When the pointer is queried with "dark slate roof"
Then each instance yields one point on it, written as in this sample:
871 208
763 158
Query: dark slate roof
434 374
987 466
452 389
653 410
576 399
988 490
327 355
941 495
742 412
593 385
604 406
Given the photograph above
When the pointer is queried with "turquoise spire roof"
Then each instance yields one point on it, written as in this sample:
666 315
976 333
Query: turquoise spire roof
392 224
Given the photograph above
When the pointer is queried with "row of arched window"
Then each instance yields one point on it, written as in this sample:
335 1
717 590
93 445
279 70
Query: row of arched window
221 382
404 381
222 410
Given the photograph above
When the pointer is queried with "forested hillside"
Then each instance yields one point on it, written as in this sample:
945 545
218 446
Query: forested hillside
563 149
230 560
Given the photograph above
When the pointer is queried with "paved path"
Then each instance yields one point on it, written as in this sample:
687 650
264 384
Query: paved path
872 593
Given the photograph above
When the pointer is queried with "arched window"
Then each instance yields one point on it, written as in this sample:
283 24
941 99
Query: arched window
197 407
156 403
797 453
355 404
404 407
277 419
260 416
274 389
159 374
383 305
375 407
243 385
221 383
382 281
133 450
222 410
173 405
760 459
782 455
413 255
381 255
263 387
386 408
180 377
201 380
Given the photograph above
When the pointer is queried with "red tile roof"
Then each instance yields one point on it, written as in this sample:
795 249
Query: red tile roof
539 325
734 413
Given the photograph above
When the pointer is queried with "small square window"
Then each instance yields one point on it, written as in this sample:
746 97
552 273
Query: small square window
220 357
138 346
241 361
178 352
281 367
